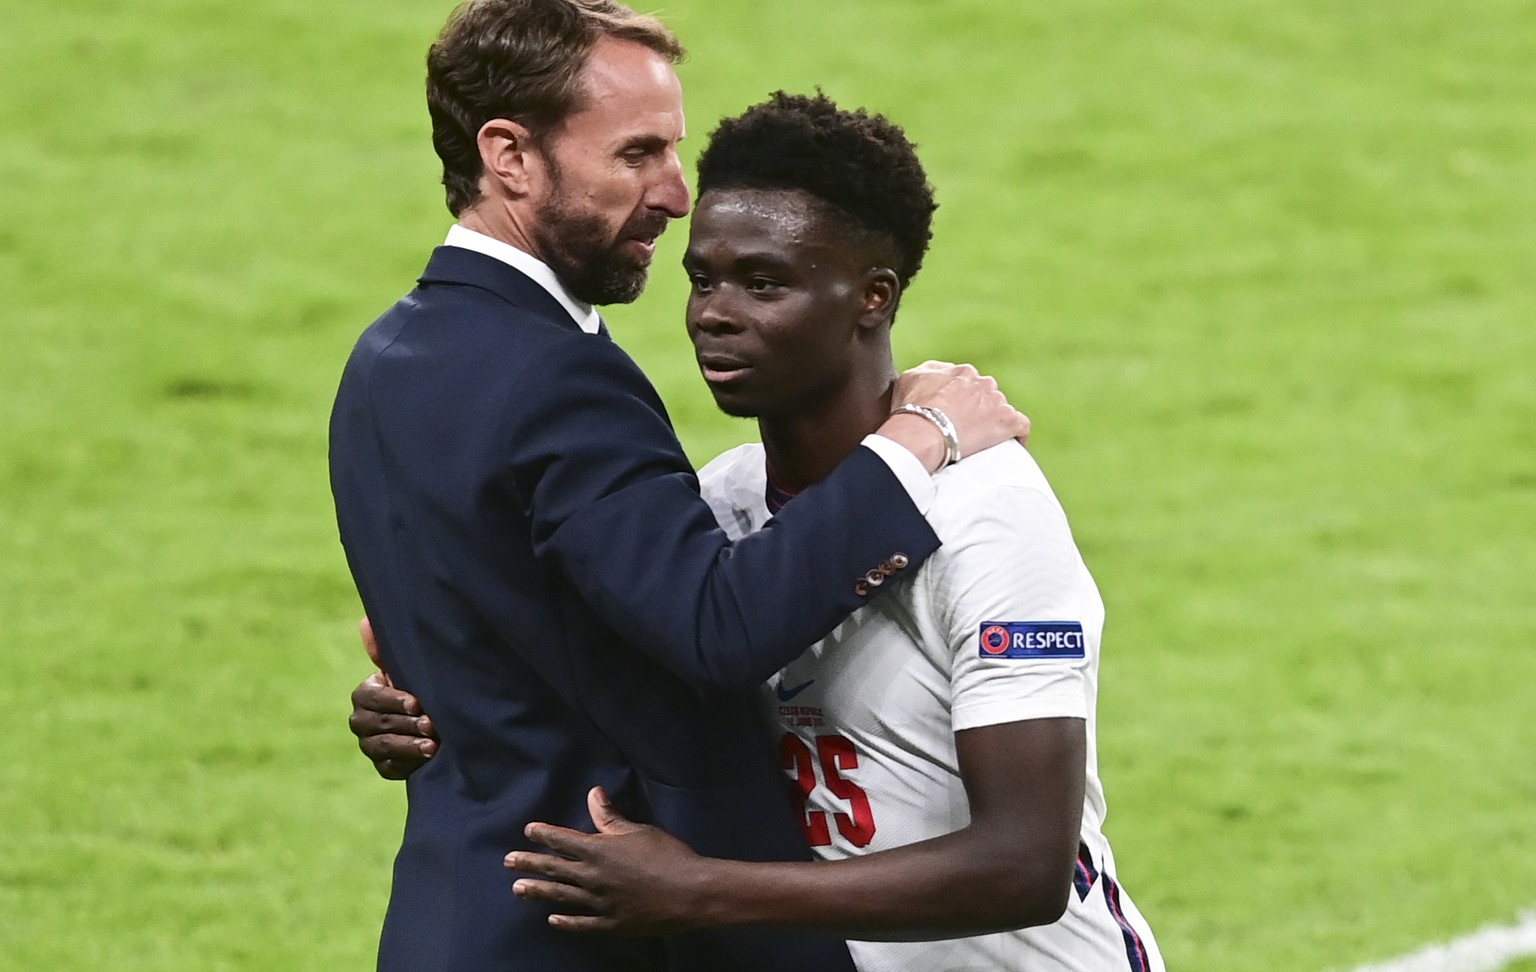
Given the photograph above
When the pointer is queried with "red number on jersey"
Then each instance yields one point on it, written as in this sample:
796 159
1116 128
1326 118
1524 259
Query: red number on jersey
836 754
795 757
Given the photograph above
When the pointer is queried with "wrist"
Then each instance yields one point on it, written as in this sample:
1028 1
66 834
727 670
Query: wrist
947 430
918 436
712 893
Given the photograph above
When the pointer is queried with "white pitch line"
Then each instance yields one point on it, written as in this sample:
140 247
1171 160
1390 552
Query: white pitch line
1488 949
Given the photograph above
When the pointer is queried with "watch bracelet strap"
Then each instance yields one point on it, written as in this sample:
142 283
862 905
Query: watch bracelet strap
940 421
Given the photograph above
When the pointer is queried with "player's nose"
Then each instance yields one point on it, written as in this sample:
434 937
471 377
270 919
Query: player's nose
711 314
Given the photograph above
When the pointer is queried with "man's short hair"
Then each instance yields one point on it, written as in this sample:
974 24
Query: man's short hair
520 60
862 164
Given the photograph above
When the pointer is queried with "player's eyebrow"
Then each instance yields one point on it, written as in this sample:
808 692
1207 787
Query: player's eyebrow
762 261
750 260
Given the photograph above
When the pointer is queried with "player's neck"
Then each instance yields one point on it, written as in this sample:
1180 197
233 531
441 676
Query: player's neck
804 447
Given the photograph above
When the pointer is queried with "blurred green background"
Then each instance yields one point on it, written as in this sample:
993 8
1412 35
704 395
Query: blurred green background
1261 273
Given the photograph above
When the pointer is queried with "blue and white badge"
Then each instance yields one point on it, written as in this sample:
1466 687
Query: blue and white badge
1032 639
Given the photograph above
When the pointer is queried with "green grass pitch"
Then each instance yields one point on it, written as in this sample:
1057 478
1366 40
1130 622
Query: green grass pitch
1261 273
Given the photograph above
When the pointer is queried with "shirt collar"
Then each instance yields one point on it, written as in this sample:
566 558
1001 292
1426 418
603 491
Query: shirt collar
584 314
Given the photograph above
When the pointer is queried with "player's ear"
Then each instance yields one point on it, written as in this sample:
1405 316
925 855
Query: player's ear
509 155
882 292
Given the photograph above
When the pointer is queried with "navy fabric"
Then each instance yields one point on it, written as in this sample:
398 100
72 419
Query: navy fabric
527 536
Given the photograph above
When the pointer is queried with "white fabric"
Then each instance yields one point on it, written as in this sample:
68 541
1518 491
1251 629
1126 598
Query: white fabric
901 676
583 313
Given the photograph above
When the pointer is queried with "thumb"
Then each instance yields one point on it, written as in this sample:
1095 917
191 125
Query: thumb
604 816
370 643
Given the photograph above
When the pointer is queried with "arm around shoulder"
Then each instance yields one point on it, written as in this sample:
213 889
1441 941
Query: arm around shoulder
611 497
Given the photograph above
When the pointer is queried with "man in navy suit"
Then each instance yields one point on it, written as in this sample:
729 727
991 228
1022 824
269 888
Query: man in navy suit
527 535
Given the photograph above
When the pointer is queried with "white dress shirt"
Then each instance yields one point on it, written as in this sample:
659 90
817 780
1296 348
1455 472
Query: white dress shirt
583 313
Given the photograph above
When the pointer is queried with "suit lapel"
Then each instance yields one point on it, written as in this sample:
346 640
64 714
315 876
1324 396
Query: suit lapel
456 265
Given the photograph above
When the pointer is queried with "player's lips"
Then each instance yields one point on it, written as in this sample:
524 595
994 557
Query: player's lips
722 368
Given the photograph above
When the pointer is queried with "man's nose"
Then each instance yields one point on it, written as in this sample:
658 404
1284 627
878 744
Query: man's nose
669 193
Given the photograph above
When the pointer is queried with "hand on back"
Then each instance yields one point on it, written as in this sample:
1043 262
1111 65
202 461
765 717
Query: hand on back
390 727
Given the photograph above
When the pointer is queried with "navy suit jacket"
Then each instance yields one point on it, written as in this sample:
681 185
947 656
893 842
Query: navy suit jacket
528 538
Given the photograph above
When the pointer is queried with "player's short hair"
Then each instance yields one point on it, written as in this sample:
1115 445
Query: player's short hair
862 164
520 60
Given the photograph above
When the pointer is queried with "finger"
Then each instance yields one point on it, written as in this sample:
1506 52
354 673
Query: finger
1023 429
604 816
397 769
370 643
408 748
374 695
400 762
555 893
561 839
546 866
366 722
375 681
583 924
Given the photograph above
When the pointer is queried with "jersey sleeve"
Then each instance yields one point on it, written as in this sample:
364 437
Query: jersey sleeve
1012 602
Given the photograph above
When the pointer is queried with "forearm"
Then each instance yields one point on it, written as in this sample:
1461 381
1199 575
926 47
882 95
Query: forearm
962 884
1010 868
723 617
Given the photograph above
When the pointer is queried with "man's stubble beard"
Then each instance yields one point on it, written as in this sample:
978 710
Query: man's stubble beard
577 246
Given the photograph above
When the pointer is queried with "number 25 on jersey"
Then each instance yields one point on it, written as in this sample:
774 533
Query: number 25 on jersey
834 755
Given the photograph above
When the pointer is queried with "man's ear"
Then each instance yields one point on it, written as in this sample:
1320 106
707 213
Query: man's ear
882 292
509 156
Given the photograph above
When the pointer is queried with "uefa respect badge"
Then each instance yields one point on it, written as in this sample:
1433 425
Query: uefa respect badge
1032 639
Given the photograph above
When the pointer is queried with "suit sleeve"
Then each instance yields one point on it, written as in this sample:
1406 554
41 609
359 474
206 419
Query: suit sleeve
613 499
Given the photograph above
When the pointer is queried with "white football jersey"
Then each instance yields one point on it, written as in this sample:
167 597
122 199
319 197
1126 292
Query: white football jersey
1001 624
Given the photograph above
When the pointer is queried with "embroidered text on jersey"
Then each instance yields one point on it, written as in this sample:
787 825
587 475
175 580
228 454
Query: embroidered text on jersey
1032 639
